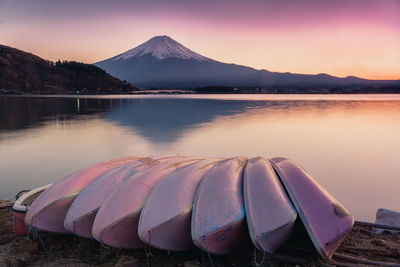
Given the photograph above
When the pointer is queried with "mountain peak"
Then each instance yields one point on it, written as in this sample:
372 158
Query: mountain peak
161 47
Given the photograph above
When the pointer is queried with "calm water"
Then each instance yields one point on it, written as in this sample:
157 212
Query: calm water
349 144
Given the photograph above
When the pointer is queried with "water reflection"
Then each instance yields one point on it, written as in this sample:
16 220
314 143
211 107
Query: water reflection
163 121
156 120
351 147
18 113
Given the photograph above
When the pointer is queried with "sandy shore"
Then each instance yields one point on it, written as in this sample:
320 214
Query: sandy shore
55 250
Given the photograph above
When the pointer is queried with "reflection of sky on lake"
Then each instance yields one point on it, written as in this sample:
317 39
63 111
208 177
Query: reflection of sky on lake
351 147
164 122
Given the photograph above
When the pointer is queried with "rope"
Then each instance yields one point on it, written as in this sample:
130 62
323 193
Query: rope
103 247
35 235
202 258
262 262
208 253
147 251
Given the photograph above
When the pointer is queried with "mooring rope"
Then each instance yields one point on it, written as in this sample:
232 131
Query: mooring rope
208 253
262 262
147 250
35 235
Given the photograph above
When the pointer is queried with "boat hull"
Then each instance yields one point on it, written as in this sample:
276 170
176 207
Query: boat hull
83 210
21 206
325 219
218 217
269 212
48 211
125 204
172 235
165 219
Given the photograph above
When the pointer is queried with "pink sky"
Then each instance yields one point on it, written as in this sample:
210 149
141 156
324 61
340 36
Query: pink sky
342 38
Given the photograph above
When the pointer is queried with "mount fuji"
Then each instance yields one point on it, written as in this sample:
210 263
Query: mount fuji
162 62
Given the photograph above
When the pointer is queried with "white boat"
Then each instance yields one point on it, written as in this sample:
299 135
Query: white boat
21 206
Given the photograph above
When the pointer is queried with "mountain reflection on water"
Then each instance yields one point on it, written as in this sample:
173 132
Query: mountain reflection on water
163 121
158 120
350 146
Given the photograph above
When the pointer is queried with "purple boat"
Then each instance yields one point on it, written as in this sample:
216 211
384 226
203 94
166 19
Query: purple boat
83 210
218 218
48 211
269 212
116 222
165 219
327 222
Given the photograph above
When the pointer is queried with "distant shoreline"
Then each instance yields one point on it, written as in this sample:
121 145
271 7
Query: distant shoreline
228 90
185 92
230 97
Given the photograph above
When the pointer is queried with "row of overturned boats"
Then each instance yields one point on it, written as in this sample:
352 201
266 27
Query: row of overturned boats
177 202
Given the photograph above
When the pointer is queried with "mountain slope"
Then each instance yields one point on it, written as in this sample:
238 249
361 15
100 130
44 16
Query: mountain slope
161 47
161 62
24 72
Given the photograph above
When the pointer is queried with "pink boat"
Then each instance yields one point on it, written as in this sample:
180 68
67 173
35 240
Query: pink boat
218 218
48 211
165 219
327 222
116 222
269 212
83 210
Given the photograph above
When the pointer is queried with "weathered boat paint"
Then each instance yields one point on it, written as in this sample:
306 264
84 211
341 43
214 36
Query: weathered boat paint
218 217
116 222
48 211
325 219
83 210
166 217
270 214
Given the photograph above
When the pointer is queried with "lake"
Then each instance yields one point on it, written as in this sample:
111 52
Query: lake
350 144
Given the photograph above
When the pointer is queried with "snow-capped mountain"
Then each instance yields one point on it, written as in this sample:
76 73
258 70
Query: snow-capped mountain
161 47
162 62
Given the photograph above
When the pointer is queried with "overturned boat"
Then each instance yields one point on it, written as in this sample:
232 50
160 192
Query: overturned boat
178 202
269 212
165 219
48 211
116 222
325 219
218 218
21 206
83 210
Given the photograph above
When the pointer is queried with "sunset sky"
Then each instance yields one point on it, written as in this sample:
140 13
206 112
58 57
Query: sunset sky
339 37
